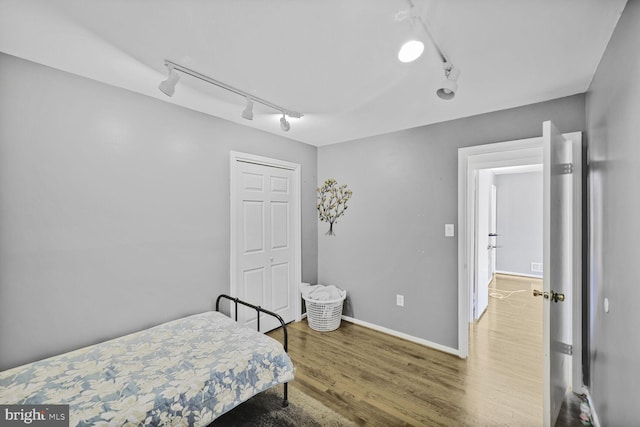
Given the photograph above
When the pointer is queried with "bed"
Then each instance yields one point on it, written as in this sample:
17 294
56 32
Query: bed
184 372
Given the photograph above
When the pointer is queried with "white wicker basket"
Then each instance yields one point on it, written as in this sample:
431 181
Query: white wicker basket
324 316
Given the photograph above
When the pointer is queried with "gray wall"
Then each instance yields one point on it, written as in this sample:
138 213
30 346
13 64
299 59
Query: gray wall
613 118
519 222
391 240
114 209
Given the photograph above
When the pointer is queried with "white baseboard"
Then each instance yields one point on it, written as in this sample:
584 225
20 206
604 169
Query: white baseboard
511 273
407 337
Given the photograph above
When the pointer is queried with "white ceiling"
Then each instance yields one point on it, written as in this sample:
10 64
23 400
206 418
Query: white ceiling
335 61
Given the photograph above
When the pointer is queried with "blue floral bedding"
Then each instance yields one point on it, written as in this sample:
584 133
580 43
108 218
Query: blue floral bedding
185 372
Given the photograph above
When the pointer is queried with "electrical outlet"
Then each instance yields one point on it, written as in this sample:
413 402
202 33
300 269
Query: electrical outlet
400 300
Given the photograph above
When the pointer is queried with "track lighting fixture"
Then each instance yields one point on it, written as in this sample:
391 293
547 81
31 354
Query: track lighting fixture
412 50
247 113
284 124
168 87
449 85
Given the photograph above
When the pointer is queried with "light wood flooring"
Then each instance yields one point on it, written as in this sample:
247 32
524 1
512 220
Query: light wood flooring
376 379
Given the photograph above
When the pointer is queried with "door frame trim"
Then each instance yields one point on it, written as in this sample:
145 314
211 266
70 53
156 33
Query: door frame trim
236 157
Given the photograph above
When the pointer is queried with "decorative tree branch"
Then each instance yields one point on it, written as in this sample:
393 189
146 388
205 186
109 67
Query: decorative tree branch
332 202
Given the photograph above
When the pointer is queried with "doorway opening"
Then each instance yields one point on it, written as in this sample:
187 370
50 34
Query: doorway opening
471 160
509 228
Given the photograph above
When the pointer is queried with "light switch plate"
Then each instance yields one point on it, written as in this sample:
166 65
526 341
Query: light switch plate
449 230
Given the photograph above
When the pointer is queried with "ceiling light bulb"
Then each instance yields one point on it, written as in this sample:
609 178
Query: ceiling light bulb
284 124
410 51
168 87
247 113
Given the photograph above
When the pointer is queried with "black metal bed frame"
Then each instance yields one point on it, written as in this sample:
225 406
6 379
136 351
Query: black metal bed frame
259 310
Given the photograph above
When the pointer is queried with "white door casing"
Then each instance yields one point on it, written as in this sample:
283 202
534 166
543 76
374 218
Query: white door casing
265 237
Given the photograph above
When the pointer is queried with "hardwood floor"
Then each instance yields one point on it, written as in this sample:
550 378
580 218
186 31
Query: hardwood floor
376 379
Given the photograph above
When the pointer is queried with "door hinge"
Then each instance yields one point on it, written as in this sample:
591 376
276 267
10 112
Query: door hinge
563 348
565 168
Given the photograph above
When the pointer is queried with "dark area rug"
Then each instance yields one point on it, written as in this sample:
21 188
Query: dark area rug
266 410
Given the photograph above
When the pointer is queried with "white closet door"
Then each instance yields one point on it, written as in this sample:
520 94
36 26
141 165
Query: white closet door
265 248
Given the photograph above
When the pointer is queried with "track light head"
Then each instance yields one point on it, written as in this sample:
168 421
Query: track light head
168 86
284 124
447 89
449 85
247 113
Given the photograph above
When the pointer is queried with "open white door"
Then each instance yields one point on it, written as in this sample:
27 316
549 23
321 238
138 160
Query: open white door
493 229
560 257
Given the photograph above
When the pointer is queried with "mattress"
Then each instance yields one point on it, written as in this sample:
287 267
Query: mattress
185 372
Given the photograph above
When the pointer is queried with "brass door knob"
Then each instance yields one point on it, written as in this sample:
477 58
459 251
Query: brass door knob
555 296
537 293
